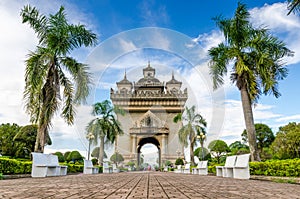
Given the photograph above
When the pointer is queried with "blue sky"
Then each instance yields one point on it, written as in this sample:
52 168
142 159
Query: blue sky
174 36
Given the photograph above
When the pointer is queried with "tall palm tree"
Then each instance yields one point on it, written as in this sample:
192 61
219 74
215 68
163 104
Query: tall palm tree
105 127
48 69
293 6
255 61
195 124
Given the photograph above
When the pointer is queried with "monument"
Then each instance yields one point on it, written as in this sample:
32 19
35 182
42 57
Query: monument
150 107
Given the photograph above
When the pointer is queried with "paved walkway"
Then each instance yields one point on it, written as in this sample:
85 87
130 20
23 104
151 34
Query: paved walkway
144 185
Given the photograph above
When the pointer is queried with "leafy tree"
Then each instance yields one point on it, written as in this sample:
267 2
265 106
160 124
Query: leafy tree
50 68
66 155
195 125
117 158
264 136
293 6
25 139
8 147
168 163
179 161
95 153
75 156
60 156
254 58
287 142
238 148
198 152
105 127
219 148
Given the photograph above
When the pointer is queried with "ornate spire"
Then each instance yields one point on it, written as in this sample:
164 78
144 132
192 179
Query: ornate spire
148 64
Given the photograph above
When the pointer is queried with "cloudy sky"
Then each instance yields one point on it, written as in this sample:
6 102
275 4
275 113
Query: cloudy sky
172 36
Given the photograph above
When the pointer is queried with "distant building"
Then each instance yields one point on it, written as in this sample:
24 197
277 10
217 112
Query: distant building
151 106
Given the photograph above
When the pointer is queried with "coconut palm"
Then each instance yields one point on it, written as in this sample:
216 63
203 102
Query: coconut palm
105 127
293 6
195 124
49 69
254 58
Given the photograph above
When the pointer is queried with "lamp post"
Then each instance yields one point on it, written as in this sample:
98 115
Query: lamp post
90 137
201 138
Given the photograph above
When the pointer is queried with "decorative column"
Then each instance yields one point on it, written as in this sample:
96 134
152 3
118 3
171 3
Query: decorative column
164 145
133 150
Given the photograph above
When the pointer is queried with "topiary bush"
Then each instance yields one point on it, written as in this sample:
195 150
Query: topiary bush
288 168
75 156
179 161
12 166
60 156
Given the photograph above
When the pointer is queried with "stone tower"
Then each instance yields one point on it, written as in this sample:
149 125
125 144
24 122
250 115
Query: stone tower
150 107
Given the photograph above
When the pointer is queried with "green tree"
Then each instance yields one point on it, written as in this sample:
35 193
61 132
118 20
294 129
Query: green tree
293 6
198 152
218 148
116 158
8 147
66 155
287 142
264 136
25 139
105 127
195 124
74 156
50 68
254 58
60 156
238 148
95 153
179 161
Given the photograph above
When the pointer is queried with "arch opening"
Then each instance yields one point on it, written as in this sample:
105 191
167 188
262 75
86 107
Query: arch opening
148 149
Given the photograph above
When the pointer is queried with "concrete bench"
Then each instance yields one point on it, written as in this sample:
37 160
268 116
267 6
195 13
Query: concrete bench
227 169
186 168
178 170
201 168
44 165
115 169
89 168
241 168
107 168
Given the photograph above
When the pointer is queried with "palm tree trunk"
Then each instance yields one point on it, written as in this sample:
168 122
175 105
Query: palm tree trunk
101 151
192 152
249 121
40 139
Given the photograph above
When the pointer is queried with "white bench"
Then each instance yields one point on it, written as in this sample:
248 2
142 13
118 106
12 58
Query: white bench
115 168
241 168
201 168
44 165
89 168
178 170
107 168
186 168
227 170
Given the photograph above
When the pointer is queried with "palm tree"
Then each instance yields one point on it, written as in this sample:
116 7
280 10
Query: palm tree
47 68
105 127
256 64
195 125
293 6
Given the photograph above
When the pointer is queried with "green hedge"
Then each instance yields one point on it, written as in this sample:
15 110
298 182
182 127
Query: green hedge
12 166
288 168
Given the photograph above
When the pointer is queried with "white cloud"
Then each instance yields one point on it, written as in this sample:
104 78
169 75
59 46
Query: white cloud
287 28
289 118
15 42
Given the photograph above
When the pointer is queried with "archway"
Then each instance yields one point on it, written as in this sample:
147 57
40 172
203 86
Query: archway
148 140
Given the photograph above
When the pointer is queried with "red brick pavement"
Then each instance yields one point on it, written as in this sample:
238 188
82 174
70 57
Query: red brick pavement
144 185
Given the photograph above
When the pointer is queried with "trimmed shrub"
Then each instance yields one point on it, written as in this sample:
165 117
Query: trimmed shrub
12 166
60 156
288 168
179 161
75 156
95 161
